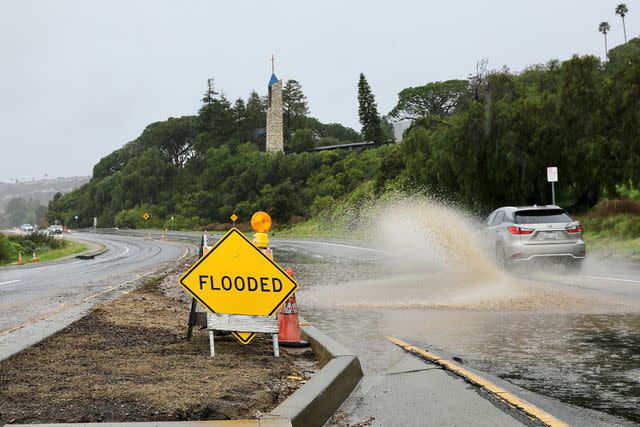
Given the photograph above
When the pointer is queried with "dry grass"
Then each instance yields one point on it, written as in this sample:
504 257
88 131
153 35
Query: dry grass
608 208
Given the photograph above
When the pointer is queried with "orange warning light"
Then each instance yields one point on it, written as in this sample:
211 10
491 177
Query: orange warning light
261 222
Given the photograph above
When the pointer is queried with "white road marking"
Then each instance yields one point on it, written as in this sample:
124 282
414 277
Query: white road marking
612 278
127 250
347 246
10 281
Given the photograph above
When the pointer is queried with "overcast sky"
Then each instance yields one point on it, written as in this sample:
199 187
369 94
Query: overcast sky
79 79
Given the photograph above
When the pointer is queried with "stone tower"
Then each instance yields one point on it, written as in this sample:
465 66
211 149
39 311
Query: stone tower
275 131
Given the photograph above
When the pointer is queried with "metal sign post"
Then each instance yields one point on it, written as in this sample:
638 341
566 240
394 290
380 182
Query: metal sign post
552 177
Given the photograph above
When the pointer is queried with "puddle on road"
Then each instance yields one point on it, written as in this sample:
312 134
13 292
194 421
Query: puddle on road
559 339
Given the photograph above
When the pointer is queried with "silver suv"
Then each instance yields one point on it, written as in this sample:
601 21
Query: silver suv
516 235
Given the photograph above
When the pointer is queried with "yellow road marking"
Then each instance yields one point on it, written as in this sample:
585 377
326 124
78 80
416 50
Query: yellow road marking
186 251
499 392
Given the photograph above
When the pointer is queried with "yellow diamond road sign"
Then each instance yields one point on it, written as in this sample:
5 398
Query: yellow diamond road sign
236 277
146 216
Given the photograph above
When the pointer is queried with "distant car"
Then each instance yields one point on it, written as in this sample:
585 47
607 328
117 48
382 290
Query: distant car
55 229
520 234
26 228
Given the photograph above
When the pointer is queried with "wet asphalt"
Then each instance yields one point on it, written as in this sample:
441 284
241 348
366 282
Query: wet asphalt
38 300
582 367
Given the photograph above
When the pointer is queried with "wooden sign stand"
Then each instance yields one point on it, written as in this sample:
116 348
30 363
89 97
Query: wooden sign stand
241 322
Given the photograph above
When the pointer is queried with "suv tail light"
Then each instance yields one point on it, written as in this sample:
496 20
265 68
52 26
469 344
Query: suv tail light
575 229
518 230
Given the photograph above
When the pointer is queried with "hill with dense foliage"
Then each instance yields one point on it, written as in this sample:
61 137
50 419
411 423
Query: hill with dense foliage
483 141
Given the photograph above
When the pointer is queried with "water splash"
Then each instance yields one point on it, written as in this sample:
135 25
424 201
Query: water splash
431 235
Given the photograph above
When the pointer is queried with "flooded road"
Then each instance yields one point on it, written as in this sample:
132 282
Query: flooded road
572 337
426 278
578 346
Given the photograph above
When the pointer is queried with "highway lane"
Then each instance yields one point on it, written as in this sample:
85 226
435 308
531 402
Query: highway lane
38 300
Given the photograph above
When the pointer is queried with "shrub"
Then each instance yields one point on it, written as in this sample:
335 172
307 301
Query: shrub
6 249
628 227
624 226
38 241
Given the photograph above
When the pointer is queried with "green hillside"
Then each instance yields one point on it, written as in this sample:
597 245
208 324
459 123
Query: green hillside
484 141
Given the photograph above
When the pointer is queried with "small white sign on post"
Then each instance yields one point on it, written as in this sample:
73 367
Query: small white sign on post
552 177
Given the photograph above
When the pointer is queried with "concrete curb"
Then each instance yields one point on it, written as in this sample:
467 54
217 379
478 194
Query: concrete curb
316 401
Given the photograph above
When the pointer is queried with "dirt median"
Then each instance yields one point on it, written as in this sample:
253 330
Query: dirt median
128 360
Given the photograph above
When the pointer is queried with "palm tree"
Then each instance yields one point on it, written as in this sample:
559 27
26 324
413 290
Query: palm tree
604 29
622 10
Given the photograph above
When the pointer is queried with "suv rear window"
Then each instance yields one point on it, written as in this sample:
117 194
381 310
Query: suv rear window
542 216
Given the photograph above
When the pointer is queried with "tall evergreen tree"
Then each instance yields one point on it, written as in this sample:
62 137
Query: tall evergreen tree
239 111
206 111
294 107
216 114
368 112
256 112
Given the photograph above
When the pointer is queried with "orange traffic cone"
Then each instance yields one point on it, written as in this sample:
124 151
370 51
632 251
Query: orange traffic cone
289 333
20 261
34 258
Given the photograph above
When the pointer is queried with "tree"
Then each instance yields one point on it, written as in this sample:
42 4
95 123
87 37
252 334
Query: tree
387 133
256 114
208 98
174 138
622 10
302 139
435 100
368 112
294 104
216 114
604 29
478 80
239 112
333 130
